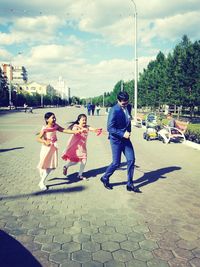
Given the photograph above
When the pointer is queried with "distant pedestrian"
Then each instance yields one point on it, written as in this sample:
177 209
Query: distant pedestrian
98 108
49 150
93 109
25 107
76 150
89 108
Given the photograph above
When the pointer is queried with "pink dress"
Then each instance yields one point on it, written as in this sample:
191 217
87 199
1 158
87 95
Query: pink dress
49 154
76 147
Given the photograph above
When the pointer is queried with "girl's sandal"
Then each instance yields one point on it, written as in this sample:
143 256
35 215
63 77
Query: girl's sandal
64 170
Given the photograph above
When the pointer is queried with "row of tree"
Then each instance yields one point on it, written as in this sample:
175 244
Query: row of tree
173 80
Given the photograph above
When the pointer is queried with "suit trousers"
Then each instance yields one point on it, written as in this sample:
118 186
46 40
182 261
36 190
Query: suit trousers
118 147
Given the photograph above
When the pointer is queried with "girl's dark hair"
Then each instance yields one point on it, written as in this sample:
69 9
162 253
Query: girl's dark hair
77 120
48 115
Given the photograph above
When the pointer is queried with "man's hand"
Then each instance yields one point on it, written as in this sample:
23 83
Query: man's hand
127 135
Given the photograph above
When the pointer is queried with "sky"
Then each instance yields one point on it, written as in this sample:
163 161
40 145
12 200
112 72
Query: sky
90 43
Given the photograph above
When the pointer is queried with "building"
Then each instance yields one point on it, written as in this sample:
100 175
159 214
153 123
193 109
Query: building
62 88
34 87
17 75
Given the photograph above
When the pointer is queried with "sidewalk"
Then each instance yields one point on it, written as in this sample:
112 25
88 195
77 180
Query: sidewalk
80 223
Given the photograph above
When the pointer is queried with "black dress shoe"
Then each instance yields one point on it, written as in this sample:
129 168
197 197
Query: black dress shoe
133 188
106 184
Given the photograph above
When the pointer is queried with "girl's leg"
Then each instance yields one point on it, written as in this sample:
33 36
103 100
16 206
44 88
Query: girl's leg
67 165
82 167
43 174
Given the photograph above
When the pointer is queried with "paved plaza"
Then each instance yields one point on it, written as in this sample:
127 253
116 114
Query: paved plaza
80 223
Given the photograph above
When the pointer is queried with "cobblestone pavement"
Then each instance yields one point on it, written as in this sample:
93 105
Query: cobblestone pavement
80 223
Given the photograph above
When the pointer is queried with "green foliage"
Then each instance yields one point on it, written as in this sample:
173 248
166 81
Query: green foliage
193 133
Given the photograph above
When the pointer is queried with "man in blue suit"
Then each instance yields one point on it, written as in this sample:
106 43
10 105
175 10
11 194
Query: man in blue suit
119 128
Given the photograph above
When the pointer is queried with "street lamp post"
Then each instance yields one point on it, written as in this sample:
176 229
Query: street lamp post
10 86
136 63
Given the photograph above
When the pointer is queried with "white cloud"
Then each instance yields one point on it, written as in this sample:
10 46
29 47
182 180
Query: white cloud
74 39
172 27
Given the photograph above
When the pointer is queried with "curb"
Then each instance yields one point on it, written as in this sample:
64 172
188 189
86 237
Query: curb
192 144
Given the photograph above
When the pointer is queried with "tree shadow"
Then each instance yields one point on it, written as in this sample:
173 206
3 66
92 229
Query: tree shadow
47 192
9 149
153 176
13 253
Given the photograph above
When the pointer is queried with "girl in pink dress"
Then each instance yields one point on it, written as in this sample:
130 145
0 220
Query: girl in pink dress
49 150
76 150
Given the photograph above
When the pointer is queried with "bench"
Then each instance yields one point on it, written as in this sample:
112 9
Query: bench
176 133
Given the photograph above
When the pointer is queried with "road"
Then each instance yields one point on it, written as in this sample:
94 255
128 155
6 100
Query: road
80 223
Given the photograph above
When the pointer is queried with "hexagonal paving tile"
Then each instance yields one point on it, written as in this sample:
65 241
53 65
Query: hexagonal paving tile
163 254
157 263
136 263
43 239
148 245
71 247
71 264
82 223
114 222
59 257
186 244
90 230
107 229
114 263
136 237
117 237
167 244
196 252
91 246
80 238
36 231
129 245
195 262
183 253
110 246
142 255
102 256
122 255
157 228
81 256
72 230
62 238
51 247
141 229
123 229
179 262
99 237
92 264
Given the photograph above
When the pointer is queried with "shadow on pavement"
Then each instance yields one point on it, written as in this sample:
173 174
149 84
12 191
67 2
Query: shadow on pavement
153 176
9 149
72 178
95 172
13 254
47 192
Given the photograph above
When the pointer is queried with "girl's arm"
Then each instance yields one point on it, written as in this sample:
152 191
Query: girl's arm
40 139
68 131
98 131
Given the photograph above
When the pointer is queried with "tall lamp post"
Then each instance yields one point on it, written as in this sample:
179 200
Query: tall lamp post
136 63
10 85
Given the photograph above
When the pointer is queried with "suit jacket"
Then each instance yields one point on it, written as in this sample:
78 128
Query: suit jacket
118 123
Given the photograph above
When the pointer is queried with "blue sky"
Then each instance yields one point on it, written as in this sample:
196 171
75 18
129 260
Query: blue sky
90 43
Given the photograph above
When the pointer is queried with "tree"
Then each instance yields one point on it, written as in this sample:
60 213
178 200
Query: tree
3 90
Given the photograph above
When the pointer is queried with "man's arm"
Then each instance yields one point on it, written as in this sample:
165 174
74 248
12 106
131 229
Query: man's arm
111 124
